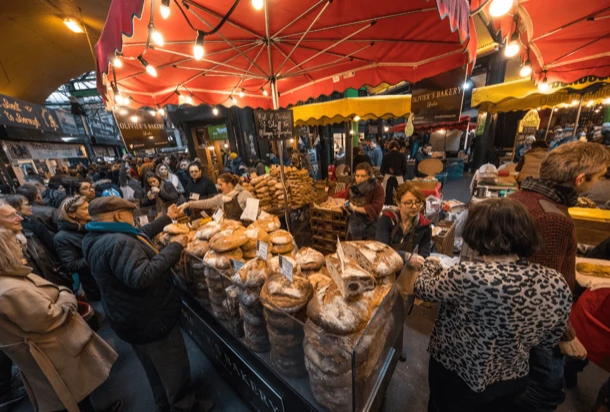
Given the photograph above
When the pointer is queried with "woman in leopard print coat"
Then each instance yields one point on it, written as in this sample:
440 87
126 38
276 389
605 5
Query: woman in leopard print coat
492 311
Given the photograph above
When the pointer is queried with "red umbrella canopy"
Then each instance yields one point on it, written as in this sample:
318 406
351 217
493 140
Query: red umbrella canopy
305 48
565 41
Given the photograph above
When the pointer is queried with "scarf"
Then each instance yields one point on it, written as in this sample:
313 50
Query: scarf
563 195
119 227
358 193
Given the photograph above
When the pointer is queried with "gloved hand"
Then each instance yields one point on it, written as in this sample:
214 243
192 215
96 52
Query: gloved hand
67 301
573 349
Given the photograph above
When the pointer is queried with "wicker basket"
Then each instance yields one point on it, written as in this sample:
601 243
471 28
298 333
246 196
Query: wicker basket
444 241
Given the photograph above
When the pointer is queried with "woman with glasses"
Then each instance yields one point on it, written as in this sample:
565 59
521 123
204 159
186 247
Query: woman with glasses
404 227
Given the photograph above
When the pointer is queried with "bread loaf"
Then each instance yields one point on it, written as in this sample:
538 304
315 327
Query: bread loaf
252 274
254 234
176 229
269 223
198 247
222 260
280 237
309 259
228 239
208 230
354 280
282 249
375 257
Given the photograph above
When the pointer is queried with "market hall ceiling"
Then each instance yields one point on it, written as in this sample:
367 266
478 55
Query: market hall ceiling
38 52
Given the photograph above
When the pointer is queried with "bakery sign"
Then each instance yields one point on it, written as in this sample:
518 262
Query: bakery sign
273 124
143 129
15 112
439 98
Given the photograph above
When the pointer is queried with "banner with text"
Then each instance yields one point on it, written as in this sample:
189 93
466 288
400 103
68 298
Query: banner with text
439 98
42 151
14 112
143 130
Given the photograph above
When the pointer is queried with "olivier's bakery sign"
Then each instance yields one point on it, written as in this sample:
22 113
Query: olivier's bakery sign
142 129
439 98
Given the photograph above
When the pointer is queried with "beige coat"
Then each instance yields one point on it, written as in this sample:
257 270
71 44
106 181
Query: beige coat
61 359
531 165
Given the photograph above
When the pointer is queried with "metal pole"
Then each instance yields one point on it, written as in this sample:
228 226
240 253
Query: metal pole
276 106
582 96
549 123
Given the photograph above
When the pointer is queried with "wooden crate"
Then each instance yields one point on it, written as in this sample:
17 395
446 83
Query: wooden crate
444 242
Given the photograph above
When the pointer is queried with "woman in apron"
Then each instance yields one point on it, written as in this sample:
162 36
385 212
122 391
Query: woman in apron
404 227
231 199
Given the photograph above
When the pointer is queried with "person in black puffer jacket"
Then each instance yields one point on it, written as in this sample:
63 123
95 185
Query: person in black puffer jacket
74 215
139 297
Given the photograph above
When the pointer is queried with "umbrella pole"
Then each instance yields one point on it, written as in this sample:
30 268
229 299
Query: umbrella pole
577 116
549 123
274 96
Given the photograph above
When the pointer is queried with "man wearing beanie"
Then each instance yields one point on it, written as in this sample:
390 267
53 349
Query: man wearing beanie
139 298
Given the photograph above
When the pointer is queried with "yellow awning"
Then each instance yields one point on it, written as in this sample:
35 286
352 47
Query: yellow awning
524 95
344 110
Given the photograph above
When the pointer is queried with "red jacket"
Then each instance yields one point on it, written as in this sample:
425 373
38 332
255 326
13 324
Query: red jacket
590 319
556 228
374 201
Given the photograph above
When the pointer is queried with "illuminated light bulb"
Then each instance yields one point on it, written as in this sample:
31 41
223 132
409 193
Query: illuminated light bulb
234 100
538 108
512 49
291 140
189 99
543 86
596 110
116 62
161 111
151 70
574 102
590 103
156 37
226 145
466 85
258 4
241 94
500 7
556 109
164 9
265 93
118 99
211 148
151 137
198 50
351 132
357 118
134 119
73 25
386 128
215 111
526 69
153 112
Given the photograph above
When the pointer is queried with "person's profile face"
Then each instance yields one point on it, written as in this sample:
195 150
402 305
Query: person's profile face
224 187
26 209
153 182
428 149
10 219
195 172
82 213
583 183
86 189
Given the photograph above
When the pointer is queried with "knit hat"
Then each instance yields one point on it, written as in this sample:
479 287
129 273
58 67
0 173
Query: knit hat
605 126
101 205
233 155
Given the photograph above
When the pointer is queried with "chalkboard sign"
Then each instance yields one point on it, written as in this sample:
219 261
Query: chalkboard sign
273 124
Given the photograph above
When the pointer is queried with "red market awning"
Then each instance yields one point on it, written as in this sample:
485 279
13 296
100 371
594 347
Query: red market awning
463 124
567 40
306 48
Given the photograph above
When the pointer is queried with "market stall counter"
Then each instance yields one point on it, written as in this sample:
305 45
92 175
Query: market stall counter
293 330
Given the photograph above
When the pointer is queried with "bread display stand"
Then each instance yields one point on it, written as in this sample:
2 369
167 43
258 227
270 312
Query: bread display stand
263 385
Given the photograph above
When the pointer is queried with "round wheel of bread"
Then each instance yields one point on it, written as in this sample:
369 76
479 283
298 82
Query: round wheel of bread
269 223
226 240
208 230
252 274
282 249
249 254
310 259
288 297
223 260
176 229
280 237
227 224
375 257
198 247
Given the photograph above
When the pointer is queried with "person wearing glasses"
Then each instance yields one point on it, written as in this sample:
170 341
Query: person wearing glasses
404 227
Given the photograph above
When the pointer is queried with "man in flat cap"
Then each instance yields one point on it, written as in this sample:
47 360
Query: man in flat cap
139 298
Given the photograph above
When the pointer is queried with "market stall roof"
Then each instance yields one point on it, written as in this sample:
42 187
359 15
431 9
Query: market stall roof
306 48
38 52
462 124
564 40
524 95
345 110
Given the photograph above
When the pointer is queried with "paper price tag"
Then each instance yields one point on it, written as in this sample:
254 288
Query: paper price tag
203 214
341 255
286 268
143 220
262 250
236 265
251 210
217 215
194 196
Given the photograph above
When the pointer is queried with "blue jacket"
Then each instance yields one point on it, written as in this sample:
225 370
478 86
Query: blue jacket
376 156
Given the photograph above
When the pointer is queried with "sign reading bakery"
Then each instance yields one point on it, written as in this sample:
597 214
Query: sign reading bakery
439 98
143 129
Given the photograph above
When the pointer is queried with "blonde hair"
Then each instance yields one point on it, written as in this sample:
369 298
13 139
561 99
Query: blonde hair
11 254
565 163
69 206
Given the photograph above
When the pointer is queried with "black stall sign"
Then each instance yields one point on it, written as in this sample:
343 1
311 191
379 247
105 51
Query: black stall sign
15 112
141 129
273 124
102 129
439 98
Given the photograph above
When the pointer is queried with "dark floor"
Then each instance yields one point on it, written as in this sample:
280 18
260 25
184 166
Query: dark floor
408 390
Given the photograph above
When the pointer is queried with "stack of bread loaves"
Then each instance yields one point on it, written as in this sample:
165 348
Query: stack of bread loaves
281 297
225 245
299 186
249 280
338 315
375 257
262 191
281 243
313 267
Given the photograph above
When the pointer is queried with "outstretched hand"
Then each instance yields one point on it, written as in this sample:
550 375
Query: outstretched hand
183 207
173 212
